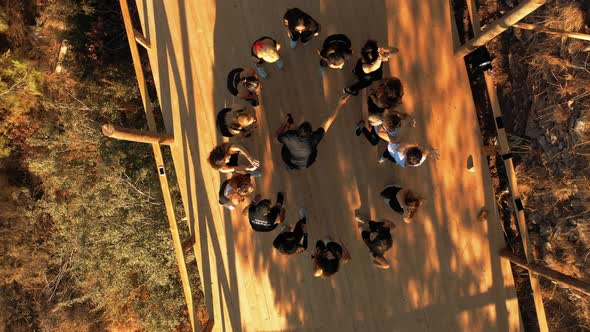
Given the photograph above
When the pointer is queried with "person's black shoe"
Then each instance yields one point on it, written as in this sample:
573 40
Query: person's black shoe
359 127
280 198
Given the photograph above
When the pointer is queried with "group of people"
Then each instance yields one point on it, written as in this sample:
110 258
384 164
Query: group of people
385 121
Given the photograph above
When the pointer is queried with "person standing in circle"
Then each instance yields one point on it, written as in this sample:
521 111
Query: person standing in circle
225 158
264 217
244 84
266 49
385 129
240 120
335 51
369 68
293 240
300 26
387 95
300 146
327 258
236 190
402 201
407 155
377 236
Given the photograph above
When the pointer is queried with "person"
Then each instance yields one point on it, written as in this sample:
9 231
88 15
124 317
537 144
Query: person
293 240
377 236
402 201
266 49
327 258
387 95
244 84
369 68
264 217
300 146
300 26
386 128
224 158
407 155
239 120
236 190
335 51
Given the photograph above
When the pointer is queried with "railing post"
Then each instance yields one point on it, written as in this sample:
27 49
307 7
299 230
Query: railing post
500 25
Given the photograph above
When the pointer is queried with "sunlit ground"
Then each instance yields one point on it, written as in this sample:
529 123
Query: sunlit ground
445 273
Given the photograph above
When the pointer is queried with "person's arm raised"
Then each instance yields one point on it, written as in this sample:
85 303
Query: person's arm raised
343 100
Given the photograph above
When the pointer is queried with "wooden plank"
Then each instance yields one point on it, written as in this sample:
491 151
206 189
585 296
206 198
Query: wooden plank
556 276
134 135
437 282
159 164
516 200
541 28
500 25
140 39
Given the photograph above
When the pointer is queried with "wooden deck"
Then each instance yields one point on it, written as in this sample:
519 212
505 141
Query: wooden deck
446 274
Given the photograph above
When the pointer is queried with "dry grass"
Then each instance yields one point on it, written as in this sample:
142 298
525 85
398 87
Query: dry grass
554 175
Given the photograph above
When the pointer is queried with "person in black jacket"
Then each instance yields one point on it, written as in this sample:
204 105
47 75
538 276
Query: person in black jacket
369 68
377 236
335 51
293 240
263 216
300 26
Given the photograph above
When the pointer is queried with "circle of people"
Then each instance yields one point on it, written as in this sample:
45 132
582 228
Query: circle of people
299 145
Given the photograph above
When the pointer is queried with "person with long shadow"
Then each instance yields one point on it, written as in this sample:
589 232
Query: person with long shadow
300 145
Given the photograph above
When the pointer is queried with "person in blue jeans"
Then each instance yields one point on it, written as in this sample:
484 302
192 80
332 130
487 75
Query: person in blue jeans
266 50
385 129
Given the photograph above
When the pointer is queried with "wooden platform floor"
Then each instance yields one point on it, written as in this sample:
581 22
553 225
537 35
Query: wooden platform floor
446 274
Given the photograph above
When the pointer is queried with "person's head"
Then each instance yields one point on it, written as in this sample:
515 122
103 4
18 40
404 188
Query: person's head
267 52
391 121
390 92
219 156
304 130
335 60
413 156
245 119
289 245
370 52
243 185
251 83
263 207
413 203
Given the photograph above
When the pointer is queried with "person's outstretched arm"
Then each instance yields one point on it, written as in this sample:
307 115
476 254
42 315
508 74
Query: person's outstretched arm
238 148
331 119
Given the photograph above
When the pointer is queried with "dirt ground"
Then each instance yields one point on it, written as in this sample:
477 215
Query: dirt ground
542 85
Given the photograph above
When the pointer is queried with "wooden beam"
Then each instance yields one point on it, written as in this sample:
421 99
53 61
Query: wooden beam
500 25
541 28
506 154
151 121
472 9
558 277
135 135
140 39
